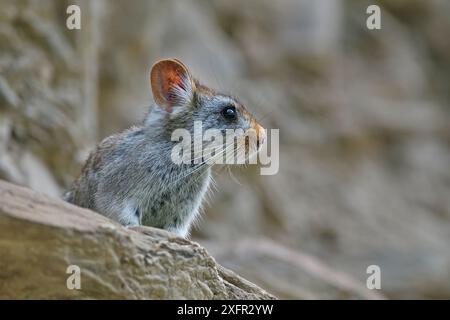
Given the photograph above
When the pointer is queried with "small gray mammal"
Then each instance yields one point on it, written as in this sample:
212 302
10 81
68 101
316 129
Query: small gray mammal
130 176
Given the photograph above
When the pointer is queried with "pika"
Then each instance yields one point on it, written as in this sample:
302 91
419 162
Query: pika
131 177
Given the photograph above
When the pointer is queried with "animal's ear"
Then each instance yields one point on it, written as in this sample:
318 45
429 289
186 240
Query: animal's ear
172 84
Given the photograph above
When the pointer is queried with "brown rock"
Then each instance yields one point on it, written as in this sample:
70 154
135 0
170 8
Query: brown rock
42 236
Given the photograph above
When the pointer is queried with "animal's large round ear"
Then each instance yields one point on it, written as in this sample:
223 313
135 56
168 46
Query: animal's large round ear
172 84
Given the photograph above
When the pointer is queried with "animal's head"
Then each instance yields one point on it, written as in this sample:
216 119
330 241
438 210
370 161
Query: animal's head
185 101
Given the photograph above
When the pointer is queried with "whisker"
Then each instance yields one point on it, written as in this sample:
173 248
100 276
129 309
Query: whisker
202 164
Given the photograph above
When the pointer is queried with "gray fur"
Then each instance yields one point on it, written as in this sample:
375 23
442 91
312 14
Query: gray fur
131 178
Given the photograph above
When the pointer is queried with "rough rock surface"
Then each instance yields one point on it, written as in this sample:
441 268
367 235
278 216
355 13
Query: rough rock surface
364 123
41 236
47 92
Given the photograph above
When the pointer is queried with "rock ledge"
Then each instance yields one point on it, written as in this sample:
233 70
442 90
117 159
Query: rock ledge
40 237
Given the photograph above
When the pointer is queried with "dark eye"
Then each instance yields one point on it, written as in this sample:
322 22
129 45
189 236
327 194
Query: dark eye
229 113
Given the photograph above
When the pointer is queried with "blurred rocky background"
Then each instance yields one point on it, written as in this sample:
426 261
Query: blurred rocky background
363 116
